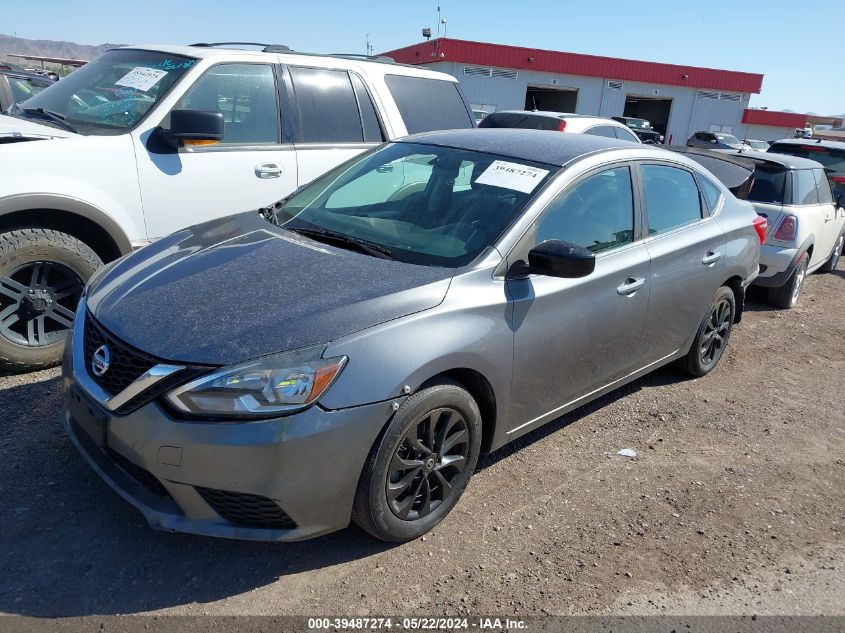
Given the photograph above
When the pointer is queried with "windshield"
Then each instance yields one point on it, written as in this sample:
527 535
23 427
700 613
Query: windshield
416 203
758 144
769 184
638 124
112 92
728 139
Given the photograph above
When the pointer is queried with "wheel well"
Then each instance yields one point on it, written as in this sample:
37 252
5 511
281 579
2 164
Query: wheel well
735 284
482 392
81 228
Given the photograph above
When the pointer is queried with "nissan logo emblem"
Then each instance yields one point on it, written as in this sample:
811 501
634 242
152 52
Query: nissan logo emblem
100 360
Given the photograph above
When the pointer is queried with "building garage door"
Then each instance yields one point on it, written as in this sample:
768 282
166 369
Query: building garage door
653 109
551 99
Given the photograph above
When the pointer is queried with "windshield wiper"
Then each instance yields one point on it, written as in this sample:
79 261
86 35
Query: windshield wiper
55 117
339 239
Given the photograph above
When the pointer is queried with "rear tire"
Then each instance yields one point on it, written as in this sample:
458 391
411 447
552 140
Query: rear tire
420 465
833 260
713 334
42 275
788 294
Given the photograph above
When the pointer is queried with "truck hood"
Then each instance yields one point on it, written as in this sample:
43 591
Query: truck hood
238 288
15 129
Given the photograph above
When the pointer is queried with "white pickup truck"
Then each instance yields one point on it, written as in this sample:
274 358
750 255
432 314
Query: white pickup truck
146 140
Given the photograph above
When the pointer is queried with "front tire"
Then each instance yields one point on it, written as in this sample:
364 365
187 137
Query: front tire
42 275
833 260
419 467
712 336
788 294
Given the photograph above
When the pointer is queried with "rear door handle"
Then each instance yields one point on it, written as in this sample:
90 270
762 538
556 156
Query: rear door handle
711 258
268 170
631 285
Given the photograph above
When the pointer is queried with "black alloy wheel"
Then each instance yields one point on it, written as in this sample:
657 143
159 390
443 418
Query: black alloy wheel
716 330
431 455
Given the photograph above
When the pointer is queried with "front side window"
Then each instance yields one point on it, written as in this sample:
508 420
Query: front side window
24 88
328 108
602 130
246 96
421 204
596 213
671 196
114 91
804 187
429 104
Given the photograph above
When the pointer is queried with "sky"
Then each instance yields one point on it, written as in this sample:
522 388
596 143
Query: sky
784 40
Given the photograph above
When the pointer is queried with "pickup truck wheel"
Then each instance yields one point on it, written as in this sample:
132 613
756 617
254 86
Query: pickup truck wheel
42 275
830 264
712 336
787 295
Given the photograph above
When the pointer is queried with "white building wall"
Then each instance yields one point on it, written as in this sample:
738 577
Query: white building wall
692 109
764 132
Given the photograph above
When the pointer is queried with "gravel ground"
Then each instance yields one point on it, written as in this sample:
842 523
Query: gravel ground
735 505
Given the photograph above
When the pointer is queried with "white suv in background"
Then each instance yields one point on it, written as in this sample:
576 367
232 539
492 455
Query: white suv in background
560 122
806 225
146 140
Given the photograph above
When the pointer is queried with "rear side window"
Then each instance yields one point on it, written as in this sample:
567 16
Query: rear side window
804 187
328 108
769 185
602 130
671 196
823 185
429 104
520 120
24 88
712 193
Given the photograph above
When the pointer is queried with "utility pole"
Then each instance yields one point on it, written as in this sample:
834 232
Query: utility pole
369 44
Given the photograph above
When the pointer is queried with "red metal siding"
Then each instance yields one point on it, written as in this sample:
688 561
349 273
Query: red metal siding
774 118
483 54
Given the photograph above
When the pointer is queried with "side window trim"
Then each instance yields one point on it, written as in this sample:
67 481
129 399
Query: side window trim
376 106
520 245
682 227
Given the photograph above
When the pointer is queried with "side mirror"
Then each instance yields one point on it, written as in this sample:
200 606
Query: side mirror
556 258
194 127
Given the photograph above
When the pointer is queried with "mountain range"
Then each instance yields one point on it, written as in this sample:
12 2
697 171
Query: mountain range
49 48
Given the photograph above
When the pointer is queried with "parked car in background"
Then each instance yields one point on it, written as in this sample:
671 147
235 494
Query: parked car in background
16 87
831 154
752 145
642 128
144 141
806 224
353 356
717 141
558 122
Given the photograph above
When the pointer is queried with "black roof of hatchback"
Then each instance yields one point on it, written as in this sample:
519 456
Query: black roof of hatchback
541 146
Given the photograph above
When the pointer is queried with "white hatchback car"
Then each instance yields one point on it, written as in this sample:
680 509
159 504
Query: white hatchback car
146 140
560 122
806 226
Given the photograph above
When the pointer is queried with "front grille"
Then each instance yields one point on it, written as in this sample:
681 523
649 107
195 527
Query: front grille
142 476
248 510
126 363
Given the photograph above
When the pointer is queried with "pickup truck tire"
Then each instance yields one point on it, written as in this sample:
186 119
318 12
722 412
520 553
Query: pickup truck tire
787 295
42 275
833 260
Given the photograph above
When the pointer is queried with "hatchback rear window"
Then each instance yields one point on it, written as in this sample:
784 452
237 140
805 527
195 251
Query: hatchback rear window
520 120
769 185
429 104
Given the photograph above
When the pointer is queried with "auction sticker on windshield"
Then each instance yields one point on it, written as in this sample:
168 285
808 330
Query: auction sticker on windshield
141 78
512 176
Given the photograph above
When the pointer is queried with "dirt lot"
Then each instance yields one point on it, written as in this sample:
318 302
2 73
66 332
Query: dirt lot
735 504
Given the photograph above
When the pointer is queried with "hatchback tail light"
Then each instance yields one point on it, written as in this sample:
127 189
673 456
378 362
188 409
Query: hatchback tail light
562 126
761 225
787 229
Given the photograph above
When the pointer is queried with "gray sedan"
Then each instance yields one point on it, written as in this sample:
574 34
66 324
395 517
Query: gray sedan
350 352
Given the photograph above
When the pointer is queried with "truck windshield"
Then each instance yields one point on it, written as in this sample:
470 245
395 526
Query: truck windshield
111 93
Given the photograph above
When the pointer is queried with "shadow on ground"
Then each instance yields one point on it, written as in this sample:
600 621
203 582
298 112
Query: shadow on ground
72 547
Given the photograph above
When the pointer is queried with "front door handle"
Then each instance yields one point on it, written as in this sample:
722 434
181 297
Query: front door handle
268 170
710 258
631 285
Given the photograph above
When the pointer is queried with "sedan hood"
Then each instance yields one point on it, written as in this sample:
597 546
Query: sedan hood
238 288
17 129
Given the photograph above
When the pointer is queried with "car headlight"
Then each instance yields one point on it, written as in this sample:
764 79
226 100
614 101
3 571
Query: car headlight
272 385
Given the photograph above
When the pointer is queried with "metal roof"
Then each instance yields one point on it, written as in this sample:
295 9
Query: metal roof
774 118
541 146
486 54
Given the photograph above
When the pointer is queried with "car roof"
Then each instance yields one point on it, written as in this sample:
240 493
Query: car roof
551 114
812 141
784 160
541 146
